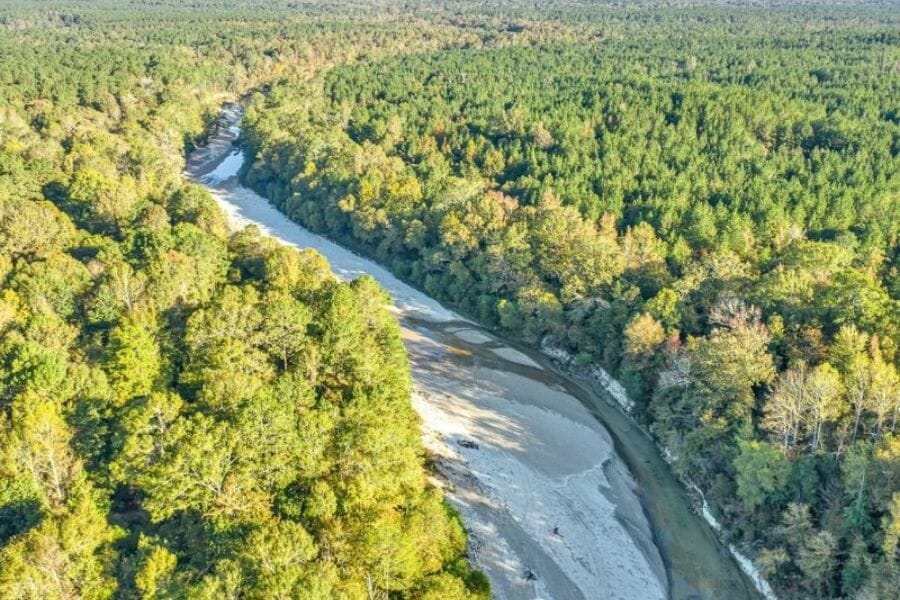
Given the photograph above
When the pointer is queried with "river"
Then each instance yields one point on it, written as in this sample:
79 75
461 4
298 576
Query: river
561 494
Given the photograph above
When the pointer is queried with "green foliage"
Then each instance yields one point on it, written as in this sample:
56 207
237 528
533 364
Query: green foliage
702 200
187 412
761 471
132 361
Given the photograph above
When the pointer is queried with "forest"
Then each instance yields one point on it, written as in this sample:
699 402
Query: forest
705 203
703 198
186 412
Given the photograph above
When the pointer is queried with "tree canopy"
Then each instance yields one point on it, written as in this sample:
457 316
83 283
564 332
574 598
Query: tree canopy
702 200
701 197
186 412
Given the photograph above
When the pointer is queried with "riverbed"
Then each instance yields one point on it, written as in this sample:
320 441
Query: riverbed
561 494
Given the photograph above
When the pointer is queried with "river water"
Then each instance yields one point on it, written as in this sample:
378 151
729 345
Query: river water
562 496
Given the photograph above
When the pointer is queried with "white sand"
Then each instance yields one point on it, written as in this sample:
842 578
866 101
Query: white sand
244 207
513 355
542 460
472 336
538 469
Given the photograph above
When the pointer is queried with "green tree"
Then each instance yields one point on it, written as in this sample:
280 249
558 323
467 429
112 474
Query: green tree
132 361
761 472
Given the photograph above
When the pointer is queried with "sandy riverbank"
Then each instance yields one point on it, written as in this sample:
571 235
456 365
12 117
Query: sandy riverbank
544 477
552 509
540 460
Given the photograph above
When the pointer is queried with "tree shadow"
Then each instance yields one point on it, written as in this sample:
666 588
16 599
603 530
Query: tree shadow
18 517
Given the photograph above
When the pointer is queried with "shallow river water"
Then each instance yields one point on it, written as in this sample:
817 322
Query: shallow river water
562 495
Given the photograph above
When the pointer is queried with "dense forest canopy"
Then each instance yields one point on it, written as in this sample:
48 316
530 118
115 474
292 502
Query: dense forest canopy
704 201
703 198
187 412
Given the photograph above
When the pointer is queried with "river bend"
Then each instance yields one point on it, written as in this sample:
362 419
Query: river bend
547 495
